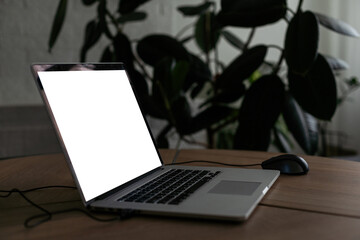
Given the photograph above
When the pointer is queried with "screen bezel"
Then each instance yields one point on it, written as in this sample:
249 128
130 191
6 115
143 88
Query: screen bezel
38 67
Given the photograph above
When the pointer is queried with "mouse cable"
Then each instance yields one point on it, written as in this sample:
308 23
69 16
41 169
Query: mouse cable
36 220
213 162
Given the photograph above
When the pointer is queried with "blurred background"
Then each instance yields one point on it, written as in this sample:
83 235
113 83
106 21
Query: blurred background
25 27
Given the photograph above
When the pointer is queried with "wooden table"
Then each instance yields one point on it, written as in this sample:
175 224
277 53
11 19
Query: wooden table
324 204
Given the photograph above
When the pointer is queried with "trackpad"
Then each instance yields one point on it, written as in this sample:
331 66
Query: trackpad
235 187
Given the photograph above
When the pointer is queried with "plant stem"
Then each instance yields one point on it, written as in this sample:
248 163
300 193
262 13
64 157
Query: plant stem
113 20
210 138
166 129
230 120
299 6
278 65
142 67
195 142
216 53
324 144
207 37
249 39
292 11
275 46
177 148
172 119
183 30
207 57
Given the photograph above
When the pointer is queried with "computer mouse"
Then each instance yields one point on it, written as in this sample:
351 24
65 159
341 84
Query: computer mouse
287 164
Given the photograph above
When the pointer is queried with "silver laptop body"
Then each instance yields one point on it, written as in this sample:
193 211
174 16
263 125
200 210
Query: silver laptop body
111 152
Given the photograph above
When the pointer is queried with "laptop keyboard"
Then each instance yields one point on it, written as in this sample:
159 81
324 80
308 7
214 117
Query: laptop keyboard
172 187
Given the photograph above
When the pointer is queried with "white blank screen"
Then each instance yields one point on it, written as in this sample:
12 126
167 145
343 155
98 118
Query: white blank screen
102 127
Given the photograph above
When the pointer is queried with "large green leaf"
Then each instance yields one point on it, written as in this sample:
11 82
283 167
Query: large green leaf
154 107
208 117
207 32
88 2
337 25
194 10
233 39
316 91
102 11
303 126
228 95
170 75
154 48
128 6
132 17
161 85
108 55
260 109
158 104
242 67
336 63
93 33
181 112
251 13
123 50
235 5
301 42
224 139
198 73
58 23
178 76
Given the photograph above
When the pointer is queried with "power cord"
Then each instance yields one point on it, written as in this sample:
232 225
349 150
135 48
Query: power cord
36 220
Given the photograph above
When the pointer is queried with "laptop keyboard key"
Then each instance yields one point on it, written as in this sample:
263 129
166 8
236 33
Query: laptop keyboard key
172 187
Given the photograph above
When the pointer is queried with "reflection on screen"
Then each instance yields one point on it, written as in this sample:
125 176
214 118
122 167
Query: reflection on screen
102 127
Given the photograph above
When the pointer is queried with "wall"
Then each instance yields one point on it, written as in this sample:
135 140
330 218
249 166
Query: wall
25 27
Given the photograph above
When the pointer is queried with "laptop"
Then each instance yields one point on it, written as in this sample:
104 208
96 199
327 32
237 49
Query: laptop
113 157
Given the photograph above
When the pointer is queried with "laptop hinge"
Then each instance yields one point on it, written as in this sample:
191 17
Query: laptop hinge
119 188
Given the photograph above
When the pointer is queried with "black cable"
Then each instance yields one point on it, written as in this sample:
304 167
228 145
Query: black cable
29 222
9 192
213 162
47 215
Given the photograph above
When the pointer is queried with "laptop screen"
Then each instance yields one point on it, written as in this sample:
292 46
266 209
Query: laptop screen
101 127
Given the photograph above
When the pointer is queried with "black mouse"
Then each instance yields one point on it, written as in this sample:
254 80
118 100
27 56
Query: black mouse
287 164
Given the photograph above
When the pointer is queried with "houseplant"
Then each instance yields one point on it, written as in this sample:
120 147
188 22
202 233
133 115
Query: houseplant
237 95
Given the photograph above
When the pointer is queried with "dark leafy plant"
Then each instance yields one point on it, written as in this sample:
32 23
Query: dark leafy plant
336 148
237 100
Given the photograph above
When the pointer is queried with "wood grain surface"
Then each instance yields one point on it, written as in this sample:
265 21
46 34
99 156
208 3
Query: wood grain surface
324 204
